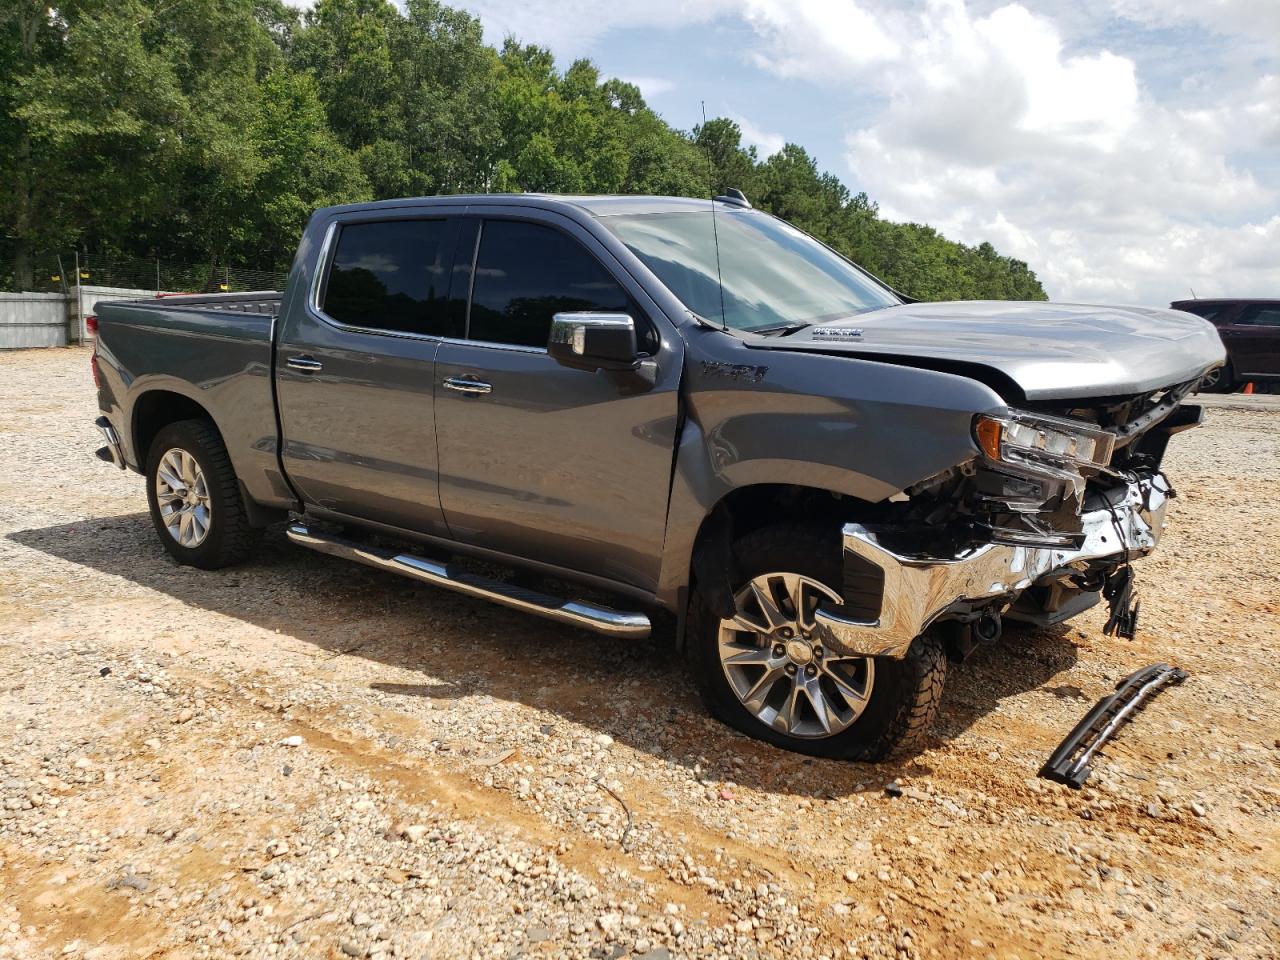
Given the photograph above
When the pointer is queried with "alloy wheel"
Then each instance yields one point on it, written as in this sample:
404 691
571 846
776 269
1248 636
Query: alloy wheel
777 668
183 497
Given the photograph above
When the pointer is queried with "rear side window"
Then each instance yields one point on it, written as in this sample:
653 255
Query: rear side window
525 273
1261 316
393 275
1205 311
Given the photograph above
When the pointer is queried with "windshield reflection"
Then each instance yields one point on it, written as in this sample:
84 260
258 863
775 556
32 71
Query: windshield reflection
774 276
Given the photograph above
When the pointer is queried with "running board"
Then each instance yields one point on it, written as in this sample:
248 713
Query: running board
613 623
1070 762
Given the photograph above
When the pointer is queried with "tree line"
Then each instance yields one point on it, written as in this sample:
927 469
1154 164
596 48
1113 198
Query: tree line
208 130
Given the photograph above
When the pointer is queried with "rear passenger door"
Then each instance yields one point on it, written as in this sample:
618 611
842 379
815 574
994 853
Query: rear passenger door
355 369
1253 338
564 466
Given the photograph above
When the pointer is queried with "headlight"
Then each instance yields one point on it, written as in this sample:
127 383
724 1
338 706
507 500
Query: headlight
1033 441
1032 486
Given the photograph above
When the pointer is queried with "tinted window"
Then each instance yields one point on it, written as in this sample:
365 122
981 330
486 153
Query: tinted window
1207 311
1262 316
391 275
525 273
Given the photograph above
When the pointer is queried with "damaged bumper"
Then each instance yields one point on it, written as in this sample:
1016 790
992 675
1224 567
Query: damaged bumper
1123 523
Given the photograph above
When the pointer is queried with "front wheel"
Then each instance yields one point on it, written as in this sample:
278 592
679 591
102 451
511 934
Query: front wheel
765 673
195 499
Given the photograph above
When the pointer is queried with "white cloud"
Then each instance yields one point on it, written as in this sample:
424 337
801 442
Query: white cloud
650 87
819 40
1024 123
993 132
1248 18
766 143
570 25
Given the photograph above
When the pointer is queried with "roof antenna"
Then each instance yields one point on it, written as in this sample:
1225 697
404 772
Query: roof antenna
711 183
1193 293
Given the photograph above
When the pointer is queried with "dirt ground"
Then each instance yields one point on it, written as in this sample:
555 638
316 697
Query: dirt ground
301 757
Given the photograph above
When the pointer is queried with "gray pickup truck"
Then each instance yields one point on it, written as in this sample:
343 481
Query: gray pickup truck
675 405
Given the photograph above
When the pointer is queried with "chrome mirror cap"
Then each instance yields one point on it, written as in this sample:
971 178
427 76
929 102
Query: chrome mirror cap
594 340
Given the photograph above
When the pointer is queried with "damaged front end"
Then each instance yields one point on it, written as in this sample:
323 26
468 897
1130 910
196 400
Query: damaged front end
1038 528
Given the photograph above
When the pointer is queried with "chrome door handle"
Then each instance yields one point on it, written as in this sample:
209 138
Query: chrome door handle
474 387
305 364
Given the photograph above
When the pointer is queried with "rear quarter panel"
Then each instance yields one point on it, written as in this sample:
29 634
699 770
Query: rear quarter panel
219 359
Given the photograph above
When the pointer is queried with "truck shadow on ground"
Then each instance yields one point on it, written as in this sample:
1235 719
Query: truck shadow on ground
637 692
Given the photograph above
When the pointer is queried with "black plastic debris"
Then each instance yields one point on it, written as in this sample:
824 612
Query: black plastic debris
104 672
1069 764
1122 619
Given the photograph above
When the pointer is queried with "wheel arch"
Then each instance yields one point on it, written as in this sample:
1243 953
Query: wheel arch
706 558
156 409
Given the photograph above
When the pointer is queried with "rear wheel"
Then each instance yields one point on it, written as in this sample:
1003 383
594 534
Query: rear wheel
194 498
764 672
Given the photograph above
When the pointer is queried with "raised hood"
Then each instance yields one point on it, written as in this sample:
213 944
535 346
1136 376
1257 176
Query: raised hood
1048 350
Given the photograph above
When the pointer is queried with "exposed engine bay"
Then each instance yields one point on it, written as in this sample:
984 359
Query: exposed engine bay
1043 468
1039 527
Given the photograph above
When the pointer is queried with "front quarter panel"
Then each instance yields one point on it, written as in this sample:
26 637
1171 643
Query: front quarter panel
853 427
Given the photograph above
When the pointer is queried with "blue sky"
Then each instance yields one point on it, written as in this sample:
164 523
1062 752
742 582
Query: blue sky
1129 150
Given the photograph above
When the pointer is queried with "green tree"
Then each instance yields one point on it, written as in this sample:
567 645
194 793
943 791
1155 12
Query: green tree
730 164
83 96
349 47
303 167
449 86
210 134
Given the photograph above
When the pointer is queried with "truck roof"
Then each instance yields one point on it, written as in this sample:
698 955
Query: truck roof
596 206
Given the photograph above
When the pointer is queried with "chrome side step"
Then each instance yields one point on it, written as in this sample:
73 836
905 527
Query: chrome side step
613 623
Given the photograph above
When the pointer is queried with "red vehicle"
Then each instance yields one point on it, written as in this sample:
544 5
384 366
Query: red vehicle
1250 330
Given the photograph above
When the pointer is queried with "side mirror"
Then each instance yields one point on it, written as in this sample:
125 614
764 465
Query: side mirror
594 341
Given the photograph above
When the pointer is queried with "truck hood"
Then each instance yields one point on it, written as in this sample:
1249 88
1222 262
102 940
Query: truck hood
1049 351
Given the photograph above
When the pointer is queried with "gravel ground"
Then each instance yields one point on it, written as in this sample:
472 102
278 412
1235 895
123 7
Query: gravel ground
303 757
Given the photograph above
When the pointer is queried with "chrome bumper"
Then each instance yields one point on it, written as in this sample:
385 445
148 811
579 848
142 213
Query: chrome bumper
917 590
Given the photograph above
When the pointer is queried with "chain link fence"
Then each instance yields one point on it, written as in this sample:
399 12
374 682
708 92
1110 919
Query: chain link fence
48 275
50 307
61 273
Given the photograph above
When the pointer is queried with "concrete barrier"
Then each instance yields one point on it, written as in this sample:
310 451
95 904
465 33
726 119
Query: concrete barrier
32 320
54 319
82 306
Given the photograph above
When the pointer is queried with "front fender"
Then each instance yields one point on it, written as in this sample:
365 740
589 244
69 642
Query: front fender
854 427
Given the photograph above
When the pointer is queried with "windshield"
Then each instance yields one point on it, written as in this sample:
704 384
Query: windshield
774 275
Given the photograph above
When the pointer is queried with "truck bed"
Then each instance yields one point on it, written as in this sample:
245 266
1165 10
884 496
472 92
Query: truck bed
213 349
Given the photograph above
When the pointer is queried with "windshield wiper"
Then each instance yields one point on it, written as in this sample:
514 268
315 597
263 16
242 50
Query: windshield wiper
783 329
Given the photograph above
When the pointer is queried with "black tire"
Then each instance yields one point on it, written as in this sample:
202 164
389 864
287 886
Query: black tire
230 538
904 697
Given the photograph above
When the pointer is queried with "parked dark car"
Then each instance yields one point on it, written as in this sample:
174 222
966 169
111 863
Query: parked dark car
1250 330
833 491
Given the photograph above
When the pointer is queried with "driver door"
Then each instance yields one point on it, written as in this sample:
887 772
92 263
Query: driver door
565 466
